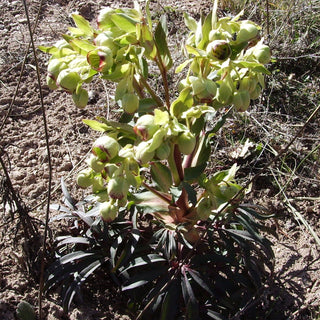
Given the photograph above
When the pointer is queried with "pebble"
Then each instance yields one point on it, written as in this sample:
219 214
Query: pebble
23 20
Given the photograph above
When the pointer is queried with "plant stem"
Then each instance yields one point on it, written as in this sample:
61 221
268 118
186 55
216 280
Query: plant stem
150 90
173 166
163 71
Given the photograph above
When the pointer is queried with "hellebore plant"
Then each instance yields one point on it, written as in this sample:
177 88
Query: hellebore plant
178 240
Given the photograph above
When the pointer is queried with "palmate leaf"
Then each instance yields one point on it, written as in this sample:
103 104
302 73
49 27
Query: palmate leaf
165 242
123 248
66 266
81 277
143 277
170 303
191 303
71 240
149 259
196 276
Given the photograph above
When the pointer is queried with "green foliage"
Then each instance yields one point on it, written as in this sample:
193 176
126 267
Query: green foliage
154 218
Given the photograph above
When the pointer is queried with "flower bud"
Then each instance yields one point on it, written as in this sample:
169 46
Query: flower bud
225 91
54 68
108 211
145 127
262 53
219 49
105 39
51 83
95 164
256 93
241 100
204 89
85 178
68 80
98 184
142 152
80 97
186 142
118 187
204 209
247 32
130 103
100 59
105 148
248 83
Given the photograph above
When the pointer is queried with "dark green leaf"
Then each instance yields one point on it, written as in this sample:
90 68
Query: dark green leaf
72 240
161 43
192 194
144 277
193 173
197 278
215 315
192 305
170 304
79 279
149 259
147 105
68 199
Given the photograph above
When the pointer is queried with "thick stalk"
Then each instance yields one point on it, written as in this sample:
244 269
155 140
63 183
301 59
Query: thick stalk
163 71
173 166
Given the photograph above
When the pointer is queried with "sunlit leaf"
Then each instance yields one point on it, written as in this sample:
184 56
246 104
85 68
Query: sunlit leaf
83 24
124 22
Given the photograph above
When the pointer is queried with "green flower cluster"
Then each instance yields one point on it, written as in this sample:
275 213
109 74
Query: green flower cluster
226 58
